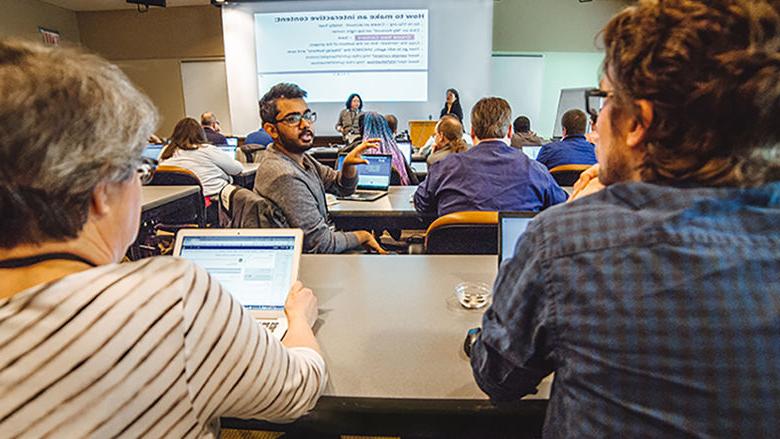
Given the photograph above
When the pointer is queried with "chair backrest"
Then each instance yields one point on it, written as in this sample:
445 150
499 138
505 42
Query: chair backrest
567 175
242 208
167 175
248 152
468 232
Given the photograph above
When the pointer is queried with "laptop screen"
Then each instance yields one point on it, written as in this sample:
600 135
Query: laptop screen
230 150
153 151
511 227
232 141
376 174
257 270
406 150
531 151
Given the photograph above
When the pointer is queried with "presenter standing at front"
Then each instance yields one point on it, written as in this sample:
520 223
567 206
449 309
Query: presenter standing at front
348 118
452 105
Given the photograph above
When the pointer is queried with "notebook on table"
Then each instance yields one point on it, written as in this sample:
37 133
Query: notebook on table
511 225
373 178
257 266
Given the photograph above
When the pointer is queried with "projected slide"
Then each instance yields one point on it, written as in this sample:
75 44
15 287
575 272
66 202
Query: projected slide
380 54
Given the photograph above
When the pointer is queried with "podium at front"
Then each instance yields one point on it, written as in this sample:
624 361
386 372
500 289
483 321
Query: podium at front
420 131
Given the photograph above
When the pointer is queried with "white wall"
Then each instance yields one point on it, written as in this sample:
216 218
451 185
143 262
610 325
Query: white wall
460 45
205 89
532 82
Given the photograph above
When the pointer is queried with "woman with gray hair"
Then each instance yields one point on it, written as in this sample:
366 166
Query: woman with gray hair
90 347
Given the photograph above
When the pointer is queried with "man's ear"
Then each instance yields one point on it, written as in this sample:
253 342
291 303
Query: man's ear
637 129
509 132
271 130
473 136
99 206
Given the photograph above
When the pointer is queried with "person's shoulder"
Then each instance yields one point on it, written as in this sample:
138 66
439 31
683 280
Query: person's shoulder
158 270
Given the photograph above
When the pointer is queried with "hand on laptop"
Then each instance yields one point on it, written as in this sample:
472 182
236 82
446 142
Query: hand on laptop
301 304
354 156
368 242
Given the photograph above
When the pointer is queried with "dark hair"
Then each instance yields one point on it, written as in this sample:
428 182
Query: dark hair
575 122
284 90
710 69
522 124
490 118
455 92
348 104
392 122
187 135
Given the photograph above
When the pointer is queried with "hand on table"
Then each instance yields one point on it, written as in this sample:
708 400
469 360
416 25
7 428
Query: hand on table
368 242
587 184
301 304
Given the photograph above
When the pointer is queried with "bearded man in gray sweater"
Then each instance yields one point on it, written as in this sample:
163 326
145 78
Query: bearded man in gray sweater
296 183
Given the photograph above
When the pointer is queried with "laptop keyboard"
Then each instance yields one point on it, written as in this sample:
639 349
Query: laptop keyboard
270 324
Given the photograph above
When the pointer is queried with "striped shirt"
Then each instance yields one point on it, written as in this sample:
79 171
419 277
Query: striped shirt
154 348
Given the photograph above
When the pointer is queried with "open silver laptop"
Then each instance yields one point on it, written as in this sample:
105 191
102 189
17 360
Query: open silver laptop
373 177
257 266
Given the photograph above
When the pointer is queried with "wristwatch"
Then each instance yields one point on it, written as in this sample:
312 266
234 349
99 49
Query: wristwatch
471 338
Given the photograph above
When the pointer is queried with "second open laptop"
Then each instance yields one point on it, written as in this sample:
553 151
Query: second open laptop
257 266
511 225
373 178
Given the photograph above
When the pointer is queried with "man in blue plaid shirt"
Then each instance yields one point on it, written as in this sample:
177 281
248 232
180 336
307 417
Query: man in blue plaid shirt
656 300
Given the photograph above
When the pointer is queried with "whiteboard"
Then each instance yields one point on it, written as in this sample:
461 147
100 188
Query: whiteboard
571 99
519 80
205 89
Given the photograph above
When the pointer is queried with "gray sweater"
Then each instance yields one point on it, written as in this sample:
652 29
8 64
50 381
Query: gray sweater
300 193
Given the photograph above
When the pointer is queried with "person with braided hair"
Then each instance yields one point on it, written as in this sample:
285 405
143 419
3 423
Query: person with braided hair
654 296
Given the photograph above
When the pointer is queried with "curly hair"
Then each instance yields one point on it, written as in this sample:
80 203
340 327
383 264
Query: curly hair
711 69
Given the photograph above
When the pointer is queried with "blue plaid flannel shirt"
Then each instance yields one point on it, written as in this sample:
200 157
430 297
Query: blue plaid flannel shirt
658 309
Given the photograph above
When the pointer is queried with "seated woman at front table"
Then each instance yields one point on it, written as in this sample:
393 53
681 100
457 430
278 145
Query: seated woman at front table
452 105
448 139
189 149
94 348
373 125
348 118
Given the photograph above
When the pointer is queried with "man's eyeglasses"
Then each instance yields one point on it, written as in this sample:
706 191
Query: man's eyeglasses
594 101
295 118
146 169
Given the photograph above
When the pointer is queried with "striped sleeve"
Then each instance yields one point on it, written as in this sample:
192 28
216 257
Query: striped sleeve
236 368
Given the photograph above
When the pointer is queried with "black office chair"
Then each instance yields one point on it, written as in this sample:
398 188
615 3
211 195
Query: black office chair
242 208
249 152
474 233
167 175
567 175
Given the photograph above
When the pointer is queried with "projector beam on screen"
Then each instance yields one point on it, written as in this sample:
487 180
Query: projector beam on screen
381 54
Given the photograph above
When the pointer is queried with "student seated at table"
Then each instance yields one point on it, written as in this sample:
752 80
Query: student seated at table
448 139
373 125
296 183
574 148
189 149
490 176
656 301
94 348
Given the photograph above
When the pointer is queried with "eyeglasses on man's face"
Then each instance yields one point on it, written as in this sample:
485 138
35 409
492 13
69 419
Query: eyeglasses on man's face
295 118
146 169
594 101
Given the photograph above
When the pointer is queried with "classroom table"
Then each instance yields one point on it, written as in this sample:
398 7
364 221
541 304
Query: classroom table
392 333
166 205
393 211
247 176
